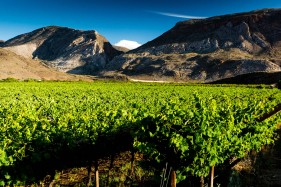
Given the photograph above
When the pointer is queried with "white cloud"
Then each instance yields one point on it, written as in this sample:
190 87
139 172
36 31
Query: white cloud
178 15
128 44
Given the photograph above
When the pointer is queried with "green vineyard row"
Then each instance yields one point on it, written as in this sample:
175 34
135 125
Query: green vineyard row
190 127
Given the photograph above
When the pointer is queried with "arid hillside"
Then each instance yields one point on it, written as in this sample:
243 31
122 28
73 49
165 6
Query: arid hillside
19 67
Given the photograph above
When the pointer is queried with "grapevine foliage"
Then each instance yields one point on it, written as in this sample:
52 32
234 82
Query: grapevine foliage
69 124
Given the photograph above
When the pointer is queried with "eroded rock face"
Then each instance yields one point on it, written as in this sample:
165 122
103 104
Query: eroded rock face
224 37
68 50
190 66
203 46
258 28
210 49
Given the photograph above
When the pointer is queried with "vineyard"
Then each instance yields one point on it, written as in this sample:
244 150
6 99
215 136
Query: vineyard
187 130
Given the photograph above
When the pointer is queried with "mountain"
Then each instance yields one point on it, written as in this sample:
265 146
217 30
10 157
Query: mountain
67 50
19 67
2 42
203 50
209 49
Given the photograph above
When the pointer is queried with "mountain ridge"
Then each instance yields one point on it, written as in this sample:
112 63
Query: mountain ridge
208 25
204 50
66 49
209 49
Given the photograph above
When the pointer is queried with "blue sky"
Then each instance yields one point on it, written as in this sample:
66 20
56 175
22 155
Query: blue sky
117 20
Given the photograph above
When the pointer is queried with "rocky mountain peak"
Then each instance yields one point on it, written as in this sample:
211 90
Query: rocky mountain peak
210 49
251 32
66 49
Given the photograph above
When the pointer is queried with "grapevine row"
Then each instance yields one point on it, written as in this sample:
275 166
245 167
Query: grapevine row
192 128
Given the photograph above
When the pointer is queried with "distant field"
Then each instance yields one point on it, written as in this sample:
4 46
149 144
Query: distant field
48 126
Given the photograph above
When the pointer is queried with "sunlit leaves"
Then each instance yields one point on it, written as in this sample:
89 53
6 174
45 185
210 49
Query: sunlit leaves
191 127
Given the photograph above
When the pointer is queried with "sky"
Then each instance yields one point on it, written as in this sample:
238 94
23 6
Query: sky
118 20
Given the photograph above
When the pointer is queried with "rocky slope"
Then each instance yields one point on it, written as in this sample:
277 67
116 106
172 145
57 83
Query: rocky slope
67 50
209 49
16 66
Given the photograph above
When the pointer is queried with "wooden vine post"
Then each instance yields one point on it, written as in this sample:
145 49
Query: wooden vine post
173 179
212 176
202 183
89 183
97 173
